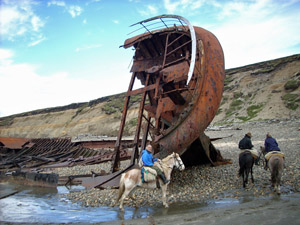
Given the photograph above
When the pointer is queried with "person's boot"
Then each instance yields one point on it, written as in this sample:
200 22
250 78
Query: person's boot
164 179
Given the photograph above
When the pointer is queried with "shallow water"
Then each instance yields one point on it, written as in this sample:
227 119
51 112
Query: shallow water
44 205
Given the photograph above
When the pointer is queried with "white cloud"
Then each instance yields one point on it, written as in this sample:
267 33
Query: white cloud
182 5
116 21
73 10
149 11
5 57
256 32
19 19
36 23
58 3
37 41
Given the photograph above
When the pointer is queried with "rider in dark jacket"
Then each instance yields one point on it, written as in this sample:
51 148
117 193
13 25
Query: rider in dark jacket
246 143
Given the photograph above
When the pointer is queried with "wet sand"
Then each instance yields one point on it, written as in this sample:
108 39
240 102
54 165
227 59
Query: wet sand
276 210
272 210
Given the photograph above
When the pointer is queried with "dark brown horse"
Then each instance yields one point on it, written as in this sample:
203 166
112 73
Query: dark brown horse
276 165
246 162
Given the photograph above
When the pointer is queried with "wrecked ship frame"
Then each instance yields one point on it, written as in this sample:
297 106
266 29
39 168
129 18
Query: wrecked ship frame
181 68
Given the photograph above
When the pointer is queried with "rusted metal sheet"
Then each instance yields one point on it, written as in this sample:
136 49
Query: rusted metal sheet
13 143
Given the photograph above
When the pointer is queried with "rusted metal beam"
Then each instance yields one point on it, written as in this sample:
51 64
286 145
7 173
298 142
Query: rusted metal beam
116 157
134 155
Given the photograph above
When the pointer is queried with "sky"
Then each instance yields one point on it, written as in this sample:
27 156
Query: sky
58 52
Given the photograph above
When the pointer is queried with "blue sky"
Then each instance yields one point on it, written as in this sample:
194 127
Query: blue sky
54 53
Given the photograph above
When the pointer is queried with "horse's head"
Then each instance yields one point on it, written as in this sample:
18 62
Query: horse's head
262 150
178 162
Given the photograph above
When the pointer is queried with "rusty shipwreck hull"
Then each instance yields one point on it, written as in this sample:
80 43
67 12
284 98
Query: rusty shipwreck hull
210 74
182 69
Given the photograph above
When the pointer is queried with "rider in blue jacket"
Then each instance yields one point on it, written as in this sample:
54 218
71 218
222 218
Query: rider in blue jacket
271 144
148 160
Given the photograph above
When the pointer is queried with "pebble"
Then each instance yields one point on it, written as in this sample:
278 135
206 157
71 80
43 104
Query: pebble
204 182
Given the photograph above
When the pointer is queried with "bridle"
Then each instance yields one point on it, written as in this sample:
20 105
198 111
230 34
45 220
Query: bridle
181 165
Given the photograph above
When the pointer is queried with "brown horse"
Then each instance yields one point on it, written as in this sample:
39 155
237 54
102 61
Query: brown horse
132 179
276 165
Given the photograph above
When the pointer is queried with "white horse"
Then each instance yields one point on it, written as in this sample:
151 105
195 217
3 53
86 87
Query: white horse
132 179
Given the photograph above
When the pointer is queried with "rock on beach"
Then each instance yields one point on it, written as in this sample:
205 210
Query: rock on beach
203 182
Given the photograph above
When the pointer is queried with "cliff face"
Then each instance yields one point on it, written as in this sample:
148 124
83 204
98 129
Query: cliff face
99 117
266 90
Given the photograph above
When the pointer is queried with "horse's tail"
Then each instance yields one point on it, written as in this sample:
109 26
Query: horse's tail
242 163
275 171
121 188
241 170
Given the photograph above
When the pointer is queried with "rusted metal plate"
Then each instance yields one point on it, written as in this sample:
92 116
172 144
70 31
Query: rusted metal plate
13 143
110 180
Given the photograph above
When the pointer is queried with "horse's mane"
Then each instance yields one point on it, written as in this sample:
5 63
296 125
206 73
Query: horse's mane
164 160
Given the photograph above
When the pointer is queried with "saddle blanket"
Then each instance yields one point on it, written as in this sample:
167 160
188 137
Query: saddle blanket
253 152
148 174
269 154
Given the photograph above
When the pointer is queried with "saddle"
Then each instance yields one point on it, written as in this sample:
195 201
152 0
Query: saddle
269 154
148 174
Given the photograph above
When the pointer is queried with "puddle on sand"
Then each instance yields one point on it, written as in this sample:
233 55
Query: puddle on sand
45 205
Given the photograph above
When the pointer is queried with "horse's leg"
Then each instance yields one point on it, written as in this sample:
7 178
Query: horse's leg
243 176
247 175
164 194
125 194
280 169
251 170
131 193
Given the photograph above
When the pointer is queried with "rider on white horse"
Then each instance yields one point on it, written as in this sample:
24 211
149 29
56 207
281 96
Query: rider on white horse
148 160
